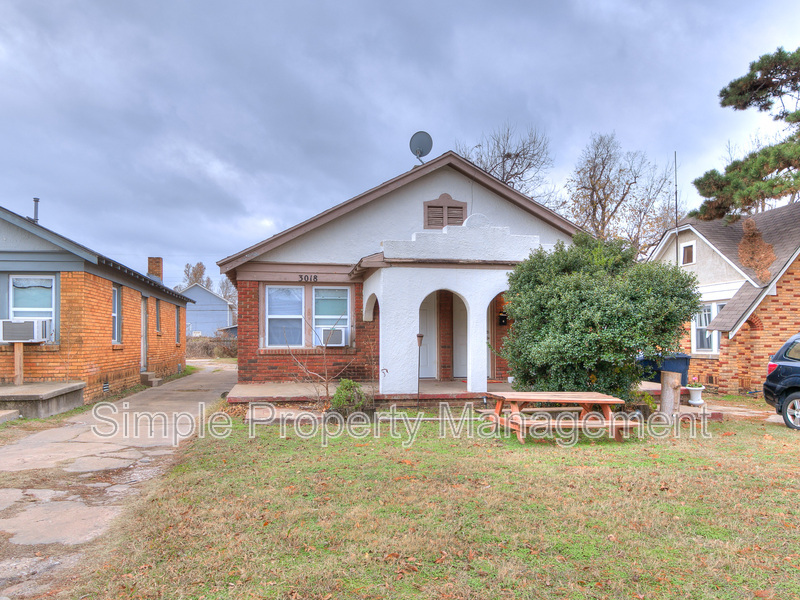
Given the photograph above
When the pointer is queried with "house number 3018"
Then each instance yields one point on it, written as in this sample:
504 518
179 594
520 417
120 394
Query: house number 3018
307 277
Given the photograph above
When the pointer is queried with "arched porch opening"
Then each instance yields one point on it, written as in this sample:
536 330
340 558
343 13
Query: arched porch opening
498 324
443 318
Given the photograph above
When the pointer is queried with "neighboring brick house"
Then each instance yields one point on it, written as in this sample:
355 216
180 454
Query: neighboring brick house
427 252
209 313
749 276
103 323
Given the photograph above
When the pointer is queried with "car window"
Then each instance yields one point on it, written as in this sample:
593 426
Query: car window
793 351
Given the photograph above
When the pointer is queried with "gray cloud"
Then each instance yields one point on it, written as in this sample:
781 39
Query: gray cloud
192 129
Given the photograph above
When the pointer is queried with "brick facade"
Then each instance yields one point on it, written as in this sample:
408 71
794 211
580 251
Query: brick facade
742 362
85 350
360 361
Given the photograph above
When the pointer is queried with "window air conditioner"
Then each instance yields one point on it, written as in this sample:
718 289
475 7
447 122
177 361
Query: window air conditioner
14 330
330 336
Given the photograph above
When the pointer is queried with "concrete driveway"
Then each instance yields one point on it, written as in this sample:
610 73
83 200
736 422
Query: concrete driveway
60 488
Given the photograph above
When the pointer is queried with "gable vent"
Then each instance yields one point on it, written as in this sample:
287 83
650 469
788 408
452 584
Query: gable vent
444 211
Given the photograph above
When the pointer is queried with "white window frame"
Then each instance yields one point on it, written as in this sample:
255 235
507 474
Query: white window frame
693 244
716 307
12 309
116 314
344 323
301 316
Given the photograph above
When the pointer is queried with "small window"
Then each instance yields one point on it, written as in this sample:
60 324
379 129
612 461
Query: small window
284 316
706 340
444 211
158 315
793 352
177 324
32 297
116 314
687 254
331 311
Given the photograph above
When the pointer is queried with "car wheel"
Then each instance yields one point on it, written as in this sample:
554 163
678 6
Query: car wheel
791 411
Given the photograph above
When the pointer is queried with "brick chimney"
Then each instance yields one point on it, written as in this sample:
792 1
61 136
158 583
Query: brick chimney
155 268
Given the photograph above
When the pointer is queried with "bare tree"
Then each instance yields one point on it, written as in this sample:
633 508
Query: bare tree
616 194
522 161
194 274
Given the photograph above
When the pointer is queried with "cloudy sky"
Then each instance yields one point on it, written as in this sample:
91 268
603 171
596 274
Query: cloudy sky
191 129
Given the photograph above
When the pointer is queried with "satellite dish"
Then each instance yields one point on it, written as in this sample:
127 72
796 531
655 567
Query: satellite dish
421 144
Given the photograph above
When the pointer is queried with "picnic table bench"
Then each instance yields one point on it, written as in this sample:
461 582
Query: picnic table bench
510 409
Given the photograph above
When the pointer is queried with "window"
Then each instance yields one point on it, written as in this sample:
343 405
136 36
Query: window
32 297
116 314
331 310
158 315
284 316
793 352
444 211
704 340
687 253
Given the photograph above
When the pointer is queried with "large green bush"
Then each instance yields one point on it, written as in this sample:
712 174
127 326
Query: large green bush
582 314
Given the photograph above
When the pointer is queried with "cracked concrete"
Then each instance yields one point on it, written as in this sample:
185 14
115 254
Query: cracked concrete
79 475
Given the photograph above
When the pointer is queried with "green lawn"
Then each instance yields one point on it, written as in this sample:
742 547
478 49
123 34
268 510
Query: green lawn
464 518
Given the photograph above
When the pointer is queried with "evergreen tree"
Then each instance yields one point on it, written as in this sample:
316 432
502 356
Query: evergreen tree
770 172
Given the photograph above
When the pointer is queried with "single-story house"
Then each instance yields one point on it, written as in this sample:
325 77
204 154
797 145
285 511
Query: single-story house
349 290
96 320
749 276
209 313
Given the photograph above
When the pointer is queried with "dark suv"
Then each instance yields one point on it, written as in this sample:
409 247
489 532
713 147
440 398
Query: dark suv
782 386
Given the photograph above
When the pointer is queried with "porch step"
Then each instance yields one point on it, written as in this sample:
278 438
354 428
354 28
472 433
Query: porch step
8 415
149 379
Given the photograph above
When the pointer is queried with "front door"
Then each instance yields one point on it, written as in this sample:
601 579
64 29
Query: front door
144 335
427 327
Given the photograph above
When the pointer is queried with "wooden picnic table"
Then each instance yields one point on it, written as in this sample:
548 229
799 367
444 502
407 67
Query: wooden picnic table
514 403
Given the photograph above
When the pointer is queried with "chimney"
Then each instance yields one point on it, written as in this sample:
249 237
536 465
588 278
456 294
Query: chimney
155 268
36 210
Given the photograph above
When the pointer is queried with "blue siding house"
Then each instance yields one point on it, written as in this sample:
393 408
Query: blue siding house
209 313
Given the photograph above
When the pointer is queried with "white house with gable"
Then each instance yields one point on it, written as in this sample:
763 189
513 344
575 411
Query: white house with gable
428 252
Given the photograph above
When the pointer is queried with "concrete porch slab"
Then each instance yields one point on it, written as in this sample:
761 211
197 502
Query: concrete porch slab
429 390
40 400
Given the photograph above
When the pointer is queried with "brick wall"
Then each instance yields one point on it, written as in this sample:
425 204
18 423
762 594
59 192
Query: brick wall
85 350
742 362
501 369
359 362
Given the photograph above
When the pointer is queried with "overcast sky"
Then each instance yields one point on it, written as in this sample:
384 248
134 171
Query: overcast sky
191 129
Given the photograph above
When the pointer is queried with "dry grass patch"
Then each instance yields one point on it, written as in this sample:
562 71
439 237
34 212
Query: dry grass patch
461 518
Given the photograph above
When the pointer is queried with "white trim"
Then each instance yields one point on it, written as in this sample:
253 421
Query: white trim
348 324
693 244
715 335
689 227
716 292
300 316
11 308
768 290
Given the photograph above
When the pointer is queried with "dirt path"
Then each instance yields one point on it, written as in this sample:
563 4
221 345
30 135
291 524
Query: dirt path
60 488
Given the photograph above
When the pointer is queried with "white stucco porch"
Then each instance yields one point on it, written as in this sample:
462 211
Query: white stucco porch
471 261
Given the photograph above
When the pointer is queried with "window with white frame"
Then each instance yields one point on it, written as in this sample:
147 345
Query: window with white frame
687 253
116 314
703 339
284 316
331 311
32 297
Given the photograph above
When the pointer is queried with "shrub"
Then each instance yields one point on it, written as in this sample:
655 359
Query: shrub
348 397
583 313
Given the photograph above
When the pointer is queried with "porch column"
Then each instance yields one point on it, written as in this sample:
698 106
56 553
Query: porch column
399 324
477 351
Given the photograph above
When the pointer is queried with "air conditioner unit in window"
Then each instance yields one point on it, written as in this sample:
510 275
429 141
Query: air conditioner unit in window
30 331
330 336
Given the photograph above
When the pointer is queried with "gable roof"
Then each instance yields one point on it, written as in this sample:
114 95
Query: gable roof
448 159
779 227
202 287
83 252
